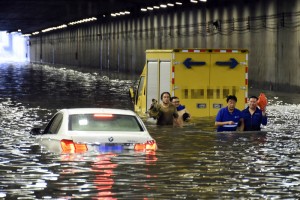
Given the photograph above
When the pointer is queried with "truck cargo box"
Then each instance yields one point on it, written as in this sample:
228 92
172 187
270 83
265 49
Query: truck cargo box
201 78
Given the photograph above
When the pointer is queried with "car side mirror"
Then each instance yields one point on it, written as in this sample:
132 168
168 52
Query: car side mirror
36 131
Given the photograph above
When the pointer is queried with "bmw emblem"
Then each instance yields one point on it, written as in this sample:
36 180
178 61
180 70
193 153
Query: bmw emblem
111 139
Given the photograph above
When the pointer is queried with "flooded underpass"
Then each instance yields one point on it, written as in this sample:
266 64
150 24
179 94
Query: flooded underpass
189 164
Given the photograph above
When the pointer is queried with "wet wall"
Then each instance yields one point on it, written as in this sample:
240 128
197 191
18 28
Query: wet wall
268 28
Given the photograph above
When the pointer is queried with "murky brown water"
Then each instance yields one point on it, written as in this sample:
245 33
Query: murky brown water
190 164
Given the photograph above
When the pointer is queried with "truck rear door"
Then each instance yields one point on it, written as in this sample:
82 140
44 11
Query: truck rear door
158 79
204 78
191 80
227 77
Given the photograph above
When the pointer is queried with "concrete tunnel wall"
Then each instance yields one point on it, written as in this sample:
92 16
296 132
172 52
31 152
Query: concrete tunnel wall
269 29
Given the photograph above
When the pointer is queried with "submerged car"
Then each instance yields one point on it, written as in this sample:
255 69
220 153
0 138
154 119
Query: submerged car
94 129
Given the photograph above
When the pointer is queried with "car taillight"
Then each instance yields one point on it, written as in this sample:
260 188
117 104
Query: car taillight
139 147
68 146
149 145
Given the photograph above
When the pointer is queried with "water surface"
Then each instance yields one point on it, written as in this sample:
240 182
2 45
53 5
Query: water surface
189 164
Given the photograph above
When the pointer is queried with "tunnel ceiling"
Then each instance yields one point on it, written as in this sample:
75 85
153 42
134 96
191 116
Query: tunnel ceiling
35 15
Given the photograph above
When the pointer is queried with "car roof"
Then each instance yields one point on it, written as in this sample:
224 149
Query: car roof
72 111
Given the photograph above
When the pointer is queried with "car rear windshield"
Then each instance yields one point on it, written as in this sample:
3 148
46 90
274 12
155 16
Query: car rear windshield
104 122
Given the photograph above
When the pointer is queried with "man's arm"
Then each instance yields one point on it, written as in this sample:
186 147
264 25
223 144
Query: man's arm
224 123
242 126
264 118
177 121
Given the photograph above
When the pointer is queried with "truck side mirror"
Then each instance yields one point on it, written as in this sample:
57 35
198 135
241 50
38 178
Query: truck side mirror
36 131
131 94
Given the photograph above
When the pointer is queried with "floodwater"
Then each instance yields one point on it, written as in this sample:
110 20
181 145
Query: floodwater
189 164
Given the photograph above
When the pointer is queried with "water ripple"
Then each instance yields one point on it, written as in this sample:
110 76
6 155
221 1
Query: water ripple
189 164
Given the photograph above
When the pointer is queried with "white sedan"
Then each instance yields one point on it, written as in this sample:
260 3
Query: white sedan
95 129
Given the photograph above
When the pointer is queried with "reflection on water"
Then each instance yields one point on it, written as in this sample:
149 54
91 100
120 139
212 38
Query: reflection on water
191 163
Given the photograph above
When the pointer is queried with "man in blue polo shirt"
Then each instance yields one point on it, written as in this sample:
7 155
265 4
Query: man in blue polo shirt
253 116
229 118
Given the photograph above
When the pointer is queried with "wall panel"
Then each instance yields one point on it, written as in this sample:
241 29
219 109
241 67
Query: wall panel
268 28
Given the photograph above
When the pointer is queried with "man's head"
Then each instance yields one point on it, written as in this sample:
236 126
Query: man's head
231 101
165 97
175 101
252 102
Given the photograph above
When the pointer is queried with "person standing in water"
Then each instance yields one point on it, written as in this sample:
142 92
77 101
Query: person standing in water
253 116
183 113
167 112
229 118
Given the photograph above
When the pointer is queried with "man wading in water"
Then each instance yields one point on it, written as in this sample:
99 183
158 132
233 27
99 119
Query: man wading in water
229 118
166 112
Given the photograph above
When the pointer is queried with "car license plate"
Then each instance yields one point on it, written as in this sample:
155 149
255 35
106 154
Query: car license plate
109 148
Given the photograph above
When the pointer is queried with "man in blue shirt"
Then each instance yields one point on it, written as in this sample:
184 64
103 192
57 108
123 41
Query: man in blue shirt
253 116
229 118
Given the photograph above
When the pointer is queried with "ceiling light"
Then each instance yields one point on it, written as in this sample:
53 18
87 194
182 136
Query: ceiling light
54 28
203 0
178 3
149 8
170 4
83 21
163 5
119 14
193 1
143 9
156 7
